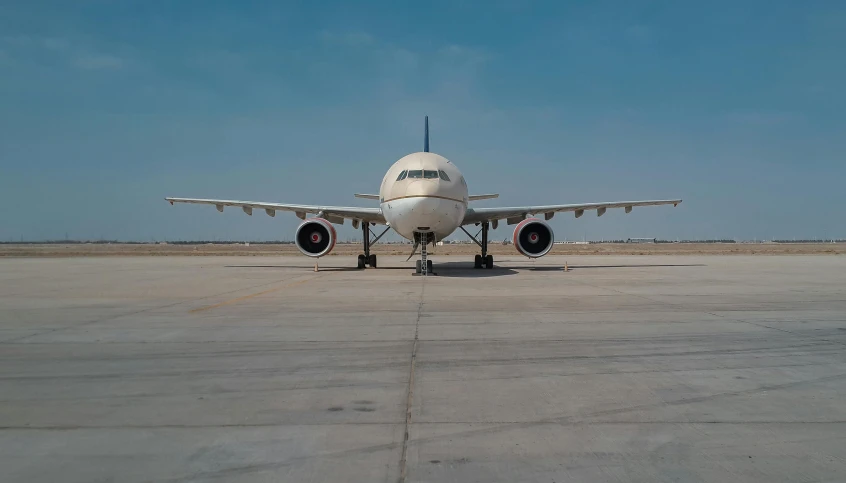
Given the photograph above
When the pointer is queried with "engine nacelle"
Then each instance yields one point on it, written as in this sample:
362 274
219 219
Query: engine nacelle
533 237
315 237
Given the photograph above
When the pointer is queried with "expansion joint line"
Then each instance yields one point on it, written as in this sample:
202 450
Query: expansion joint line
725 317
409 400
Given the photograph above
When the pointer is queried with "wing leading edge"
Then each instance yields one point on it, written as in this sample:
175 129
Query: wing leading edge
515 214
335 214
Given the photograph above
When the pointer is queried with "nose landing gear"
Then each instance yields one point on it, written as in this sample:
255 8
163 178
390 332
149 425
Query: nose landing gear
419 268
424 265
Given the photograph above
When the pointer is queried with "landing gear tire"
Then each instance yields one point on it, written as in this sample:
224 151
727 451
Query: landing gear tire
429 267
419 266
372 261
361 261
477 262
489 261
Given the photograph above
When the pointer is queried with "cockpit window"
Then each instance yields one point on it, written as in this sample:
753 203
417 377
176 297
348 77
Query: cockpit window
415 173
402 175
443 175
430 174
463 182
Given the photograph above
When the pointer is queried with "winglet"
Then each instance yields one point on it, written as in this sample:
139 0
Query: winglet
426 138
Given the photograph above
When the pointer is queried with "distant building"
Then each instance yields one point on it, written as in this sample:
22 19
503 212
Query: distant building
642 240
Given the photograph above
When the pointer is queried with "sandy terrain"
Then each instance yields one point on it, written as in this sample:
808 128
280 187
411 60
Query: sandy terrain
76 250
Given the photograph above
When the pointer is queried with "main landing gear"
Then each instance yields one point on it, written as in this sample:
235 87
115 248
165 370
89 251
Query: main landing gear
480 261
364 260
368 258
483 260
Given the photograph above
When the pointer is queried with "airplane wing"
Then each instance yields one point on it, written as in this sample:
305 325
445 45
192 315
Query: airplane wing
334 214
517 213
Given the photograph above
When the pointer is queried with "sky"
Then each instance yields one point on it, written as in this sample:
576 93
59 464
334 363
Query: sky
106 107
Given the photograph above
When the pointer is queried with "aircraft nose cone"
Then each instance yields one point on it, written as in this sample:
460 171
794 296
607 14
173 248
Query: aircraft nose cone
423 212
425 206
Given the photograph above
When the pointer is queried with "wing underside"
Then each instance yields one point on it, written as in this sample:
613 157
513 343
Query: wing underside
334 214
515 214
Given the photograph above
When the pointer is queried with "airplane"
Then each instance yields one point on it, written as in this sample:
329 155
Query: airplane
424 198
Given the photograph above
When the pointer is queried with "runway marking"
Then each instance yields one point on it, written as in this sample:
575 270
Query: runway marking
247 297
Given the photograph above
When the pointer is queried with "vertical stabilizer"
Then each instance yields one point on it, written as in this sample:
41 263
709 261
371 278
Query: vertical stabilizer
426 138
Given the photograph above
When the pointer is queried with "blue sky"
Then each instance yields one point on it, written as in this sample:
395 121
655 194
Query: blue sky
108 106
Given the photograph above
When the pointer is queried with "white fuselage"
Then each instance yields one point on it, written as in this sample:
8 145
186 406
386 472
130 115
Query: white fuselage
423 192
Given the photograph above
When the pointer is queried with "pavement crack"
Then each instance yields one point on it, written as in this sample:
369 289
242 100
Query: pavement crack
409 400
136 312
712 314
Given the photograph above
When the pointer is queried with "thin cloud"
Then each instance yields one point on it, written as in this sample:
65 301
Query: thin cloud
220 59
60 50
92 61
349 39
465 54
639 32
55 44
387 61
761 118
18 40
455 71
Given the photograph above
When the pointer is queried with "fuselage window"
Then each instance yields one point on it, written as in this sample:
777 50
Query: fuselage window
415 173
402 175
430 174
443 175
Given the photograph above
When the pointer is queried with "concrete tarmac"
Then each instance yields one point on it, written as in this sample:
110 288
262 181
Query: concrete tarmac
644 369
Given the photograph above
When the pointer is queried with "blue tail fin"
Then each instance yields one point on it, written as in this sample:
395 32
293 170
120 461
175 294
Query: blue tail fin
426 139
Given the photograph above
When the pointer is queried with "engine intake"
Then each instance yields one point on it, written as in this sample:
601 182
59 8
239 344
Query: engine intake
533 237
315 237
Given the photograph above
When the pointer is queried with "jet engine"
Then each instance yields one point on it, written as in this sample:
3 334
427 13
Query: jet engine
533 237
315 237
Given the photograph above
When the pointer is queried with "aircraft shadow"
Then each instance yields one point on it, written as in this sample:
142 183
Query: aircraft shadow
322 269
466 270
446 269
581 267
